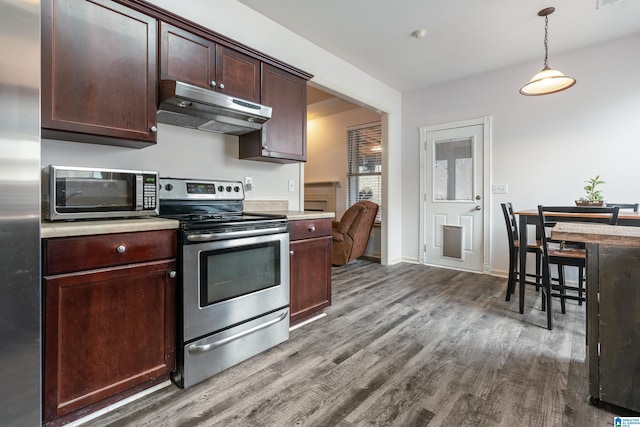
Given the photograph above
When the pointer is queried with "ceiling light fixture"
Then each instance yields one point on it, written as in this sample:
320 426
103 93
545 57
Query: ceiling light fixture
548 80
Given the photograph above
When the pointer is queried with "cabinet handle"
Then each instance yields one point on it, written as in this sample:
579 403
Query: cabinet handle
153 129
291 252
172 274
212 83
221 86
265 148
121 249
312 228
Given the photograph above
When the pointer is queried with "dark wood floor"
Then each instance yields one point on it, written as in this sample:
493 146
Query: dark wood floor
402 345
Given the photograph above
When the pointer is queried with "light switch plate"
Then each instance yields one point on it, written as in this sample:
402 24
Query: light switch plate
500 189
292 185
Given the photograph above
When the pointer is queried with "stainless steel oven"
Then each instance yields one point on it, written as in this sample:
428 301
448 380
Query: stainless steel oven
233 300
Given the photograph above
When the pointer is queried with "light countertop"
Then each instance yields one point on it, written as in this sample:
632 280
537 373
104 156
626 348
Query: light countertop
86 228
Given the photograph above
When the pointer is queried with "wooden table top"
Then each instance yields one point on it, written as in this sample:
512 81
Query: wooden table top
587 232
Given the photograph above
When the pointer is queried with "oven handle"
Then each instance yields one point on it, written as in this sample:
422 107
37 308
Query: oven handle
208 347
210 237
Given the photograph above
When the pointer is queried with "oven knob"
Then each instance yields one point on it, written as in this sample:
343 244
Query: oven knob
121 249
220 188
168 187
228 188
236 189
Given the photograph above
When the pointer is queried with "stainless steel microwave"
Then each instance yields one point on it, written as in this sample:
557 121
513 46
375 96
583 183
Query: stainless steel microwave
70 193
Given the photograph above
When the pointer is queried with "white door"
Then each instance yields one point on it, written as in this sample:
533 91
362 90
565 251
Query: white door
454 197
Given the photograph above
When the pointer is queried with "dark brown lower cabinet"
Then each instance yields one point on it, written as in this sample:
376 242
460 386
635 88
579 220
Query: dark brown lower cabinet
310 267
107 330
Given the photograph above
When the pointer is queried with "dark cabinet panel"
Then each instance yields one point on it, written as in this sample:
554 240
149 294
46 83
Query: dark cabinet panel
239 74
186 57
99 78
107 330
282 139
310 268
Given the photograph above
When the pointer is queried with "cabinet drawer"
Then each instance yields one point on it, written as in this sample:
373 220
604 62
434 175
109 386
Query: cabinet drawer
69 254
309 228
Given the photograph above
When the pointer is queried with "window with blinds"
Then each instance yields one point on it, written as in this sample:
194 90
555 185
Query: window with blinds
364 168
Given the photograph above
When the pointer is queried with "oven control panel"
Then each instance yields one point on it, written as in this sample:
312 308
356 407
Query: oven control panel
198 189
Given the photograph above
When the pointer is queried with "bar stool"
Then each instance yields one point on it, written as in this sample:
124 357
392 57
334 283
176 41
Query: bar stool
514 248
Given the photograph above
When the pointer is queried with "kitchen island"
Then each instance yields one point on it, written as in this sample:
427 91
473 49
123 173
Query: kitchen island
613 299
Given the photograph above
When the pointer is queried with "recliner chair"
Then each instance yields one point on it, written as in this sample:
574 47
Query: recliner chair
350 235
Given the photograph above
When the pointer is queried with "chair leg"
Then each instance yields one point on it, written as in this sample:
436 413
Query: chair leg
511 281
538 272
562 289
580 284
548 298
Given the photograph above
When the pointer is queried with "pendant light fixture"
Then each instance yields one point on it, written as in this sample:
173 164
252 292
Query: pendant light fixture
548 80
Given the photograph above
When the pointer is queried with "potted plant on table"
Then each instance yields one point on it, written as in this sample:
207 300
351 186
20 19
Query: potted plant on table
593 196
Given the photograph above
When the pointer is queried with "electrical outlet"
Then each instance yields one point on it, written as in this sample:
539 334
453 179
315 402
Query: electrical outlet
248 183
500 189
292 185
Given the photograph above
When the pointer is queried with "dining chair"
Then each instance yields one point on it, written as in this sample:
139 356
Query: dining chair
633 206
514 248
566 253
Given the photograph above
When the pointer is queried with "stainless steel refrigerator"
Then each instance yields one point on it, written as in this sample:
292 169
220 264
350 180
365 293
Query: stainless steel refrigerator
20 319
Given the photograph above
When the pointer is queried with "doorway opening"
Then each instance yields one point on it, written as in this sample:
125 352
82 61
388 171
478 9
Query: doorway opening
327 185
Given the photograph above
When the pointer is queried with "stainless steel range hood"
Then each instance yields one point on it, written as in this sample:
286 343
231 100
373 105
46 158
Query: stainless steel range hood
185 105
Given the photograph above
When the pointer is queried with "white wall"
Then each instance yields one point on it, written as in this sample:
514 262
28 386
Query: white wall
543 147
327 149
216 155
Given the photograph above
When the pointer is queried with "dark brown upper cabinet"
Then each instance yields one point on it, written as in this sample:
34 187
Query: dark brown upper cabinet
283 138
192 59
99 78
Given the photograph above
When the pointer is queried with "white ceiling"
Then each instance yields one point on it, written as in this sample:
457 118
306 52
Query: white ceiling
464 37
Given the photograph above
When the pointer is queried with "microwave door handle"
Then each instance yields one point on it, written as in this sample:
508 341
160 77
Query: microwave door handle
216 344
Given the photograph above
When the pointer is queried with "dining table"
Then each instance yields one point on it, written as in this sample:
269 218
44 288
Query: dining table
531 217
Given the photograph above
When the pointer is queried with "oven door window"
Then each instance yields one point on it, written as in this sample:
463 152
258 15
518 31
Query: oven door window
233 272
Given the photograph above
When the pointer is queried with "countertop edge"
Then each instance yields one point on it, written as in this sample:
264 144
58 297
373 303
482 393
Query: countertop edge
50 230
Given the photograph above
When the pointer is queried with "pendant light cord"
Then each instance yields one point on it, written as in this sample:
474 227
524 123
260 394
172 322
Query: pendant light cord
546 41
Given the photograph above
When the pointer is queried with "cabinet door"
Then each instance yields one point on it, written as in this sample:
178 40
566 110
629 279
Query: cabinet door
186 57
105 332
310 277
98 73
283 138
238 74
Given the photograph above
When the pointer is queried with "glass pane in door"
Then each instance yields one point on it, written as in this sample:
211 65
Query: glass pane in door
453 170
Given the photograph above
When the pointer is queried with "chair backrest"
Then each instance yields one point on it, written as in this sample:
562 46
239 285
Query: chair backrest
357 222
512 224
607 215
633 206
601 214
